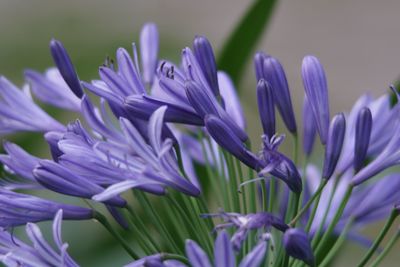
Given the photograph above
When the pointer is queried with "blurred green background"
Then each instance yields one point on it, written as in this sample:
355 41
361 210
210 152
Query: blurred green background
357 41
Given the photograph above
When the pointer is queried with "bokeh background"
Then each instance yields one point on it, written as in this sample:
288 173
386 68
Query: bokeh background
357 41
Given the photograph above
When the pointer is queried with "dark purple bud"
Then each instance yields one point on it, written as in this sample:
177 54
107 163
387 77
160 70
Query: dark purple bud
275 76
309 129
297 245
205 56
334 144
206 104
200 99
266 108
65 66
259 64
144 106
316 88
226 138
363 133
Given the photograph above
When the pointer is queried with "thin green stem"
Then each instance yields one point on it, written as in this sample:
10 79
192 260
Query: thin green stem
386 250
309 202
378 240
317 234
103 220
335 219
338 244
271 196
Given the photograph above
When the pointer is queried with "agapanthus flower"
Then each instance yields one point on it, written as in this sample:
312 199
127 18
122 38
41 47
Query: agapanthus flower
19 209
14 252
316 89
178 132
244 223
223 255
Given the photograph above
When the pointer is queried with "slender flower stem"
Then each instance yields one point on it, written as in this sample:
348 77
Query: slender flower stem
338 244
241 180
317 234
386 250
141 197
378 240
103 220
335 220
309 202
271 197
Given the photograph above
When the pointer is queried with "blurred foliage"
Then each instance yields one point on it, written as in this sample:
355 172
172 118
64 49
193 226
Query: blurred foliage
238 48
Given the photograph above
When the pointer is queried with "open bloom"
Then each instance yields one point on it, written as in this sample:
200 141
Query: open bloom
14 252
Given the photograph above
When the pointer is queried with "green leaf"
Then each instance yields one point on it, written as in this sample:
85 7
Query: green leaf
240 44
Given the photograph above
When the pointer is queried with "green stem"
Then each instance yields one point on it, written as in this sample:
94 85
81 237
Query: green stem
335 219
338 244
271 196
317 234
382 234
309 202
387 249
103 220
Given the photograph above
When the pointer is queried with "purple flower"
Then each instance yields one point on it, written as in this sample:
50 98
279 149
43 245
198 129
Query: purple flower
275 76
223 255
19 162
51 88
65 66
158 165
231 100
362 136
316 89
60 179
18 209
266 108
149 51
258 63
297 245
18 112
227 139
205 56
206 104
246 223
144 106
334 145
388 157
277 164
309 129
14 252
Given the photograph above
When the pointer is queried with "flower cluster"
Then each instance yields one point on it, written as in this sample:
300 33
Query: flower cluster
174 136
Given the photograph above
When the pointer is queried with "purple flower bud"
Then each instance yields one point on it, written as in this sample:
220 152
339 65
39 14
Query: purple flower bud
206 104
259 58
226 138
266 109
297 245
334 144
204 54
362 136
144 106
309 129
65 66
316 88
275 76
149 51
